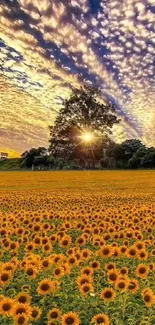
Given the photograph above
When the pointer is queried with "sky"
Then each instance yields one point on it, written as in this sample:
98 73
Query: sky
49 47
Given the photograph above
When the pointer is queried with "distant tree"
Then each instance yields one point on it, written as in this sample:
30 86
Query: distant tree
148 161
82 112
129 147
28 157
136 160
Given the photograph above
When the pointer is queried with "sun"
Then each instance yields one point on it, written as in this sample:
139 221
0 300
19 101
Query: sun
87 137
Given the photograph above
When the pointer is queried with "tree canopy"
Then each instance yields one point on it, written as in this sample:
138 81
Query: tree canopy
83 112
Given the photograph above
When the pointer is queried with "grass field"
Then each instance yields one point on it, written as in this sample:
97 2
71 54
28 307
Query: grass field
77 248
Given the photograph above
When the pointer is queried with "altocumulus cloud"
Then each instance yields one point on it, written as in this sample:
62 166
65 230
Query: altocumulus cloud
49 47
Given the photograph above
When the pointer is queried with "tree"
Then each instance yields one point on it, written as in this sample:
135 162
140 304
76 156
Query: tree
148 161
83 112
28 157
136 160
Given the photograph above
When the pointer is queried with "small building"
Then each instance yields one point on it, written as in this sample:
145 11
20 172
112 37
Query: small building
3 155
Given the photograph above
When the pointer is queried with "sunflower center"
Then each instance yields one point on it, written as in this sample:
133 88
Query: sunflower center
34 313
4 277
45 286
108 294
22 299
142 270
94 265
147 298
69 321
57 271
30 271
121 285
86 288
20 310
6 306
65 242
100 320
113 277
21 320
132 252
54 314
106 251
45 263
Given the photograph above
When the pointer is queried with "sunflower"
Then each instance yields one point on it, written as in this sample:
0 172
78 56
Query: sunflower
8 266
72 260
100 319
65 241
143 254
123 249
142 270
31 271
149 298
121 284
47 248
6 305
140 245
70 319
86 254
110 266
124 270
5 277
30 247
81 241
86 288
95 265
113 276
133 286
23 298
53 238
83 279
35 313
21 320
46 286
46 264
132 252
19 309
87 270
108 294
58 272
54 314
106 251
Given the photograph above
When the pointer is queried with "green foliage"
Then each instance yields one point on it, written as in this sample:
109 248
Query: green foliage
10 164
83 111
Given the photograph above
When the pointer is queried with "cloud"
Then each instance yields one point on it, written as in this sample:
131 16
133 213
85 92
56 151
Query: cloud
48 47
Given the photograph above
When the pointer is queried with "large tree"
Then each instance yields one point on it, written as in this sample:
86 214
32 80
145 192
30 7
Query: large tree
82 114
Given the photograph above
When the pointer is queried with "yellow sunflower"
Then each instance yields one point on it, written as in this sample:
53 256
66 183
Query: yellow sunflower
54 314
46 286
21 319
108 294
100 319
35 313
6 306
142 271
20 308
70 318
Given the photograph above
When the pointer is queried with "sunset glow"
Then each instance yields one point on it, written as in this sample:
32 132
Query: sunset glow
49 47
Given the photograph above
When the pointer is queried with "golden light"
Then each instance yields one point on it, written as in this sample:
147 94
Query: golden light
87 137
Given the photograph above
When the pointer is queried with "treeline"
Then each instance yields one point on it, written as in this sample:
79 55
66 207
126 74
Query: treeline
81 138
130 154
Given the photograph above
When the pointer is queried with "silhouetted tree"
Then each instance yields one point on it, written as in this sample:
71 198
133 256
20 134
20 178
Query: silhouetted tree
82 112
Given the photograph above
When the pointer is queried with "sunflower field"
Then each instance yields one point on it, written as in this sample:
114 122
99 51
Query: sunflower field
77 248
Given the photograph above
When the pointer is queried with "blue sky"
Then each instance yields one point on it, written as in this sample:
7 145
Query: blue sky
49 47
